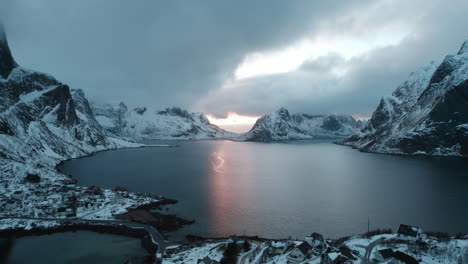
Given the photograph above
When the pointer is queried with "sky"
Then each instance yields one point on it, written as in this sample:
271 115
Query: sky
243 57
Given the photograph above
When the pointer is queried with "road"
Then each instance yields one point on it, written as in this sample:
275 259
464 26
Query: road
156 237
245 257
260 255
370 247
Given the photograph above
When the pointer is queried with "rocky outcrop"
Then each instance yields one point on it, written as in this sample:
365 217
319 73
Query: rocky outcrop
7 63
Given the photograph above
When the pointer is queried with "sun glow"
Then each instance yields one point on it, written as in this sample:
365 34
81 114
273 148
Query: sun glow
234 122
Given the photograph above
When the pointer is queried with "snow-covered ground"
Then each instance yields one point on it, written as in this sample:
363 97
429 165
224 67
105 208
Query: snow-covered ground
429 250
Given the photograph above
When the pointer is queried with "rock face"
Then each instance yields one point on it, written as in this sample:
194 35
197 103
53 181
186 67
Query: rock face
7 63
41 119
43 122
427 114
146 123
280 125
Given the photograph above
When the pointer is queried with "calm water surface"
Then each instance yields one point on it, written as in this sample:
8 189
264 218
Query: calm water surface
75 247
279 190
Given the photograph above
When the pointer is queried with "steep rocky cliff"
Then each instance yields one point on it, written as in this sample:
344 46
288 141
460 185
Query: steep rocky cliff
427 114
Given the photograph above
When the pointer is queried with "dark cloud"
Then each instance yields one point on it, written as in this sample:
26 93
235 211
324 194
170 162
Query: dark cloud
321 86
166 53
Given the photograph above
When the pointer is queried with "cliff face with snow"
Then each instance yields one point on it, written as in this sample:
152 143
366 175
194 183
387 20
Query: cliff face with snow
146 123
42 119
280 125
42 122
7 63
427 114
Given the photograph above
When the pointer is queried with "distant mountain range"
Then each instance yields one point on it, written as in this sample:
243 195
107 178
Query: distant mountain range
427 114
176 123
281 125
147 123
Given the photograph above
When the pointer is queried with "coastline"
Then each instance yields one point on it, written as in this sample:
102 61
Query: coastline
21 225
107 229
426 155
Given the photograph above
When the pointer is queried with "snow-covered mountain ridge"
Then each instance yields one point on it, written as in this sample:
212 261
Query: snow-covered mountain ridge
281 125
148 123
176 123
427 114
43 122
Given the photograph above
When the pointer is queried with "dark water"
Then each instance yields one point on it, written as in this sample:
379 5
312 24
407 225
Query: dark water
288 189
75 247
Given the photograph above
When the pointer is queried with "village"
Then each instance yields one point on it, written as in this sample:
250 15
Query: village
409 245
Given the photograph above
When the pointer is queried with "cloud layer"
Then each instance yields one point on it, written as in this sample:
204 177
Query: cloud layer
338 57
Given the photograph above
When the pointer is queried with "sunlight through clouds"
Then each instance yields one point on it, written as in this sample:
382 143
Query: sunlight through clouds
291 58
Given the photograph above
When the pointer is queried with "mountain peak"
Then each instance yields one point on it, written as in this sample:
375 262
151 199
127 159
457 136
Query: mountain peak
2 32
463 48
282 112
7 63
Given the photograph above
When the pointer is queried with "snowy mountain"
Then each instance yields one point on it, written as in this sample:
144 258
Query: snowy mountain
42 118
147 123
427 114
280 125
43 122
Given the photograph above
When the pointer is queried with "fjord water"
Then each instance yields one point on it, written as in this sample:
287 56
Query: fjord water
278 190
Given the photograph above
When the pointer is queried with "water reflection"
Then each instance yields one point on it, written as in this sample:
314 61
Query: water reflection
217 188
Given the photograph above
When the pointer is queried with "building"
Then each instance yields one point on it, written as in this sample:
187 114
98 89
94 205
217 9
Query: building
347 252
383 255
409 232
334 258
300 253
401 258
316 241
340 259
278 247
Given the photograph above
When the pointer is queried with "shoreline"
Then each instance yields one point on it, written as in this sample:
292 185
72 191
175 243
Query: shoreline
134 232
340 143
56 167
50 225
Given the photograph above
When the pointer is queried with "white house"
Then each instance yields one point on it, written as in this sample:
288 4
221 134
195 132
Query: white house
334 258
278 247
409 232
